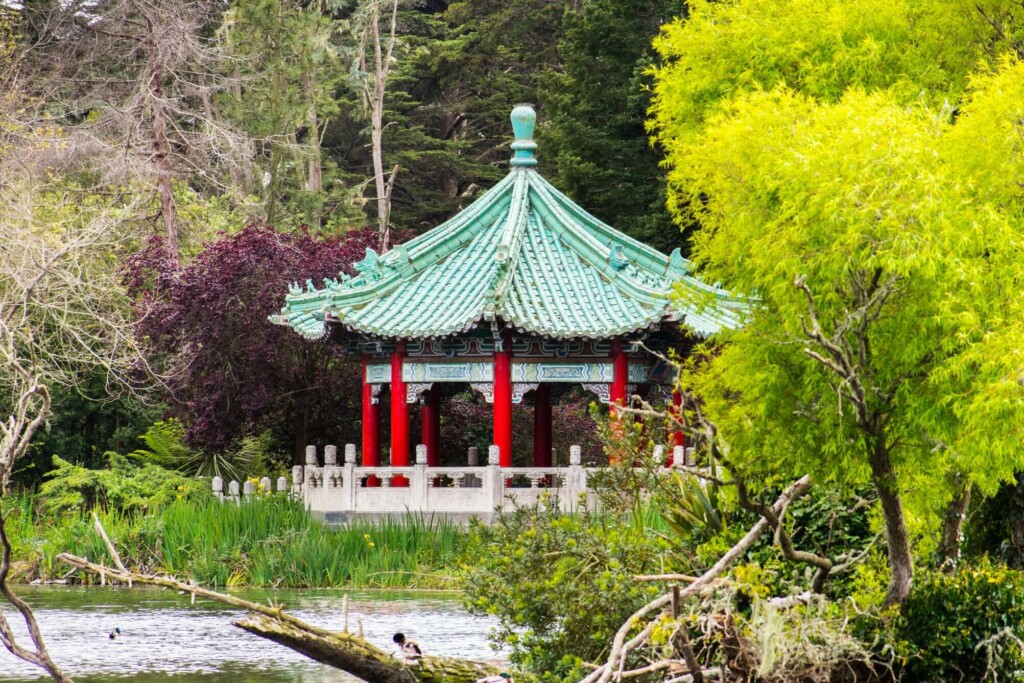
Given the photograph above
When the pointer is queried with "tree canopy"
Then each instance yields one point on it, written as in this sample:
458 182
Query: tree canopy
856 208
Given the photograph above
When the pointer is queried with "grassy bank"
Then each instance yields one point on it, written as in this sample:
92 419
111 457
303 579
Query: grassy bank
264 542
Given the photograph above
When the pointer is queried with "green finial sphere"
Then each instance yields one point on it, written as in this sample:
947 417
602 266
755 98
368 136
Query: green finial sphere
524 118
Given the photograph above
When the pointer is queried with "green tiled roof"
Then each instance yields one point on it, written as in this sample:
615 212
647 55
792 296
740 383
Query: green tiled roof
523 255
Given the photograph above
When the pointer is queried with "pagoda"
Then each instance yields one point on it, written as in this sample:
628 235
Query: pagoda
522 291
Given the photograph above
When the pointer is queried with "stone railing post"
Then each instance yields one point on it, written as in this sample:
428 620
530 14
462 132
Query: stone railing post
298 479
473 460
575 479
311 456
349 483
331 477
248 489
494 481
282 485
233 491
420 482
218 488
266 485
678 456
658 456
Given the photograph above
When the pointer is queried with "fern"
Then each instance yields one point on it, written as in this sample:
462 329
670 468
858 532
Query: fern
166 447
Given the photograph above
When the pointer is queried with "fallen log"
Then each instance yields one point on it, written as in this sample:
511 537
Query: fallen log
342 650
351 653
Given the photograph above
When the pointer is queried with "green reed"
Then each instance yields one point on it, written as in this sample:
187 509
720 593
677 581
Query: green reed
265 541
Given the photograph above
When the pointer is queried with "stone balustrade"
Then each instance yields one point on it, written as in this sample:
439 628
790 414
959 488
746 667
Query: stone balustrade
337 492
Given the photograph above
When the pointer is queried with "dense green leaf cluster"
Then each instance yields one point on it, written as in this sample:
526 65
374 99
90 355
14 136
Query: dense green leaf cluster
121 486
963 628
855 167
561 585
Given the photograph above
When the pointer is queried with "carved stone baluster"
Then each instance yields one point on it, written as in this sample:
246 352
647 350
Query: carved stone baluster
459 478
535 479
385 480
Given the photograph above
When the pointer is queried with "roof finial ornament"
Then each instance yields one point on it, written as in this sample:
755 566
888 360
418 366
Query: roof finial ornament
524 118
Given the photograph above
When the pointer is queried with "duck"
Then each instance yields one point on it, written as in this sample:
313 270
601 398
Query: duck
115 633
410 648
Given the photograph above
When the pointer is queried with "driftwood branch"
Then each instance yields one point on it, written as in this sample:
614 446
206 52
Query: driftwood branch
651 612
39 656
348 652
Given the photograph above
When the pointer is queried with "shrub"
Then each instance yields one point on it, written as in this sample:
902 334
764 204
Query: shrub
122 487
561 585
963 627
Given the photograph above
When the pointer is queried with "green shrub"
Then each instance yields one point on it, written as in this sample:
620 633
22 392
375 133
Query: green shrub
963 627
561 585
122 487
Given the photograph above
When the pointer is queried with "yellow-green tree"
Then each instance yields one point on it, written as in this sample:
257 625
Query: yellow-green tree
851 173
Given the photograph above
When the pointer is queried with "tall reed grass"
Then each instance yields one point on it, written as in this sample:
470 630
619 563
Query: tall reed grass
269 541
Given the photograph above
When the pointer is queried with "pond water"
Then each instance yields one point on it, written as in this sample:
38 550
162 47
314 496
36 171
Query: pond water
165 639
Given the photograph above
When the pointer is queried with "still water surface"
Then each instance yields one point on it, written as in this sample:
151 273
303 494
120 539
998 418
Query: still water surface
167 640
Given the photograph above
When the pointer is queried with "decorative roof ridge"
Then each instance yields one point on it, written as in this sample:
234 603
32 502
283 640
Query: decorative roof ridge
650 258
625 276
510 244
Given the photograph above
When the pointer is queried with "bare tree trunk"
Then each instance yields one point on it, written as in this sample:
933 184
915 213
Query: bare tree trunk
40 657
901 562
162 148
30 410
952 530
382 67
316 181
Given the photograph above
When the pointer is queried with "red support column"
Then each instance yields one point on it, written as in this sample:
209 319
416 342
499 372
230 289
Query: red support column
371 424
620 374
431 424
542 426
675 435
617 393
399 414
503 400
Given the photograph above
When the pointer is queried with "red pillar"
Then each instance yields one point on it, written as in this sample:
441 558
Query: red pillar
542 426
675 436
431 424
617 393
620 374
503 400
371 424
399 414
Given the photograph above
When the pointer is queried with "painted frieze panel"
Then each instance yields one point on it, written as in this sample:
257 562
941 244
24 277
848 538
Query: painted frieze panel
378 373
448 372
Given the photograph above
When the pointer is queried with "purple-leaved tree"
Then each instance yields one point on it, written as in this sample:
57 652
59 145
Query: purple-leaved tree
235 373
